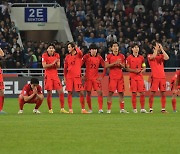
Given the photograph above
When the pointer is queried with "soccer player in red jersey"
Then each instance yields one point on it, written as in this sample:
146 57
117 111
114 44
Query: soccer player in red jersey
72 75
156 62
175 88
1 87
115 62
92 79
136 66
31 93
50 62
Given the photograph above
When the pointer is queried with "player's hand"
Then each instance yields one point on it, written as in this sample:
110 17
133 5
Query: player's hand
99 78
160 46
117 62
35 90
64 81
55 61
138 71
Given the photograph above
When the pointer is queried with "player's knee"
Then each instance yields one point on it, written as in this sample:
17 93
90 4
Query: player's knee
21 97
142 93
99 93
42 98
88 93
81 93
1 92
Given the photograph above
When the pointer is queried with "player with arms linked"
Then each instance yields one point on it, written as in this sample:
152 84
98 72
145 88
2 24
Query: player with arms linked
158 79
92 79
51 62
136 66
115 62
72 75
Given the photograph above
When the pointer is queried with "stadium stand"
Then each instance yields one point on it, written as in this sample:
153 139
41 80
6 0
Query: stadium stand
101 22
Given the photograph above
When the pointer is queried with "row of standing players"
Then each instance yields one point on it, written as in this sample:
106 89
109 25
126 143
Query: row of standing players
115 62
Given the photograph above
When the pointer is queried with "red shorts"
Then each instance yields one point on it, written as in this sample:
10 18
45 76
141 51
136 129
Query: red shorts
52 84
75 83
116 84
1 82
137 85
95 84
158 83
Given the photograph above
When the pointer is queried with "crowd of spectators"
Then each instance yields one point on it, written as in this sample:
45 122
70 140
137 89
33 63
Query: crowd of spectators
100 21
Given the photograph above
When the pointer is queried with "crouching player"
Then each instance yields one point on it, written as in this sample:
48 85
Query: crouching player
92 79
175 87
32 94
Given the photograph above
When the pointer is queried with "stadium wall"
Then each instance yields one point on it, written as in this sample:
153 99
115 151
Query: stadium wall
14 85
42 19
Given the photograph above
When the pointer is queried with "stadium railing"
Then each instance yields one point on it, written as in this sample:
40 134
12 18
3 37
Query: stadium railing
26 72
35 5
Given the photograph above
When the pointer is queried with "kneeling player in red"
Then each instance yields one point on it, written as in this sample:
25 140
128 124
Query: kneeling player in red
115 62
32 94
175 88
136 66
92 79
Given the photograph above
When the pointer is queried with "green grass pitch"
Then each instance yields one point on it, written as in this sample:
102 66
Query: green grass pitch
91 134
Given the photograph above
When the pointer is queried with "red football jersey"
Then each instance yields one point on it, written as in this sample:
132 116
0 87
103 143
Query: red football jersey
135 63
72 64
27 90
157 66
115 71
51 71
92 64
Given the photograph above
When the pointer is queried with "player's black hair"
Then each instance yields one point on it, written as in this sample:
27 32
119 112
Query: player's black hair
114 43
34 81
134 44
93 46
51 44
72 44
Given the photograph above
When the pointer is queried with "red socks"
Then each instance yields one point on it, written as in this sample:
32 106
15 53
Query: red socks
163 102
88 99
100 102
134 101
61 100
82 101
151 100
38 104
174 104
49 101
70 101
142 101
122 105
21 103
1 102
109 105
